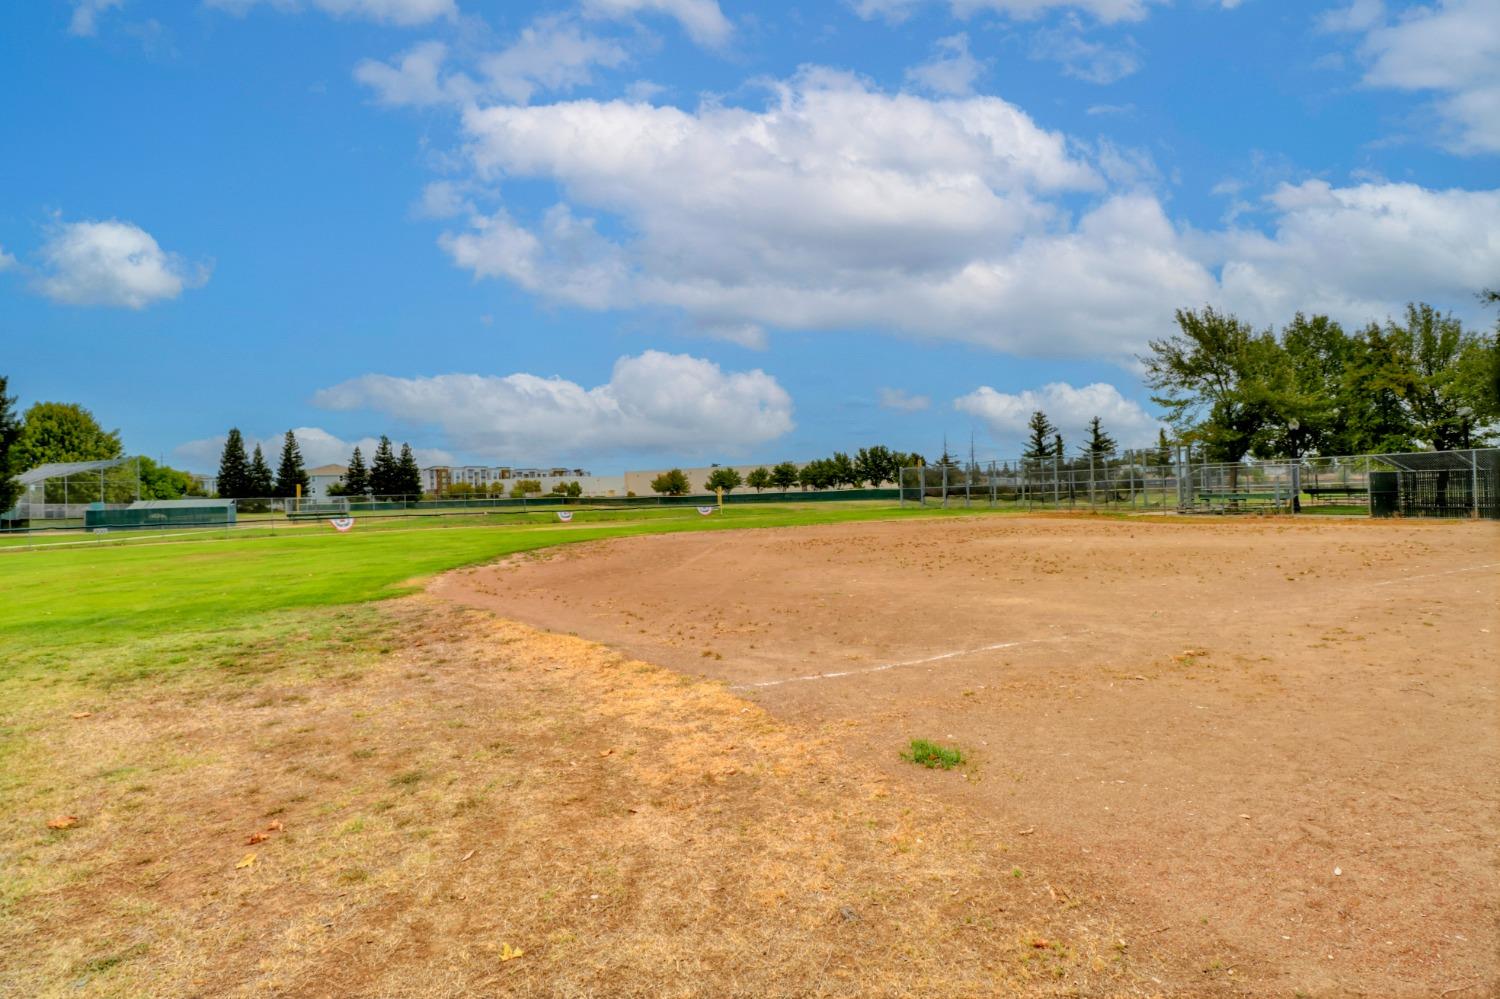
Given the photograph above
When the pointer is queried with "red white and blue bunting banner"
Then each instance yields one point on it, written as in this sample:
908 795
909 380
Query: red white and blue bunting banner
706 510
342 524
565 516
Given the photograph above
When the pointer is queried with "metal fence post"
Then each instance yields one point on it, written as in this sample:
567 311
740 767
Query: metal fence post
1474 482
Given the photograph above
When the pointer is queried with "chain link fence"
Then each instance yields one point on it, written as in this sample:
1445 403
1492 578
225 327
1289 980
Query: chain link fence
1431 483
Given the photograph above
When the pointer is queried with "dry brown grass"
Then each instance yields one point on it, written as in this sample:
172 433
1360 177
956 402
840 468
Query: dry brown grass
481 785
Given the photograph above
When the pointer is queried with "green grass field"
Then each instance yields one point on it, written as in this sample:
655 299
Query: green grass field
69 604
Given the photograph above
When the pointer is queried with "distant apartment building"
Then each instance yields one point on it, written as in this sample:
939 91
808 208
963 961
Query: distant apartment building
491 478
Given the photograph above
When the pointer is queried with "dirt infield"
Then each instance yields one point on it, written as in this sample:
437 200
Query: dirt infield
1272 745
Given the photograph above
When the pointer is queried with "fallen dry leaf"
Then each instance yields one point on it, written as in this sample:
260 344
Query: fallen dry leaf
275 826
466 856
81 714
249 861
254 838
607 752
1039 943
509 953
62 822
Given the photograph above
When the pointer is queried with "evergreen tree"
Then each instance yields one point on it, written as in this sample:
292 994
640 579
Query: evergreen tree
234 469
357 479
1100 444
384 472
1057 446
260 484
291 473
10 429
1039 439
1163 449
408 474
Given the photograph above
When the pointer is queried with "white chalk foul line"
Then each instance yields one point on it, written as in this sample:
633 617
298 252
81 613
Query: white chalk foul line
908 662
1432 575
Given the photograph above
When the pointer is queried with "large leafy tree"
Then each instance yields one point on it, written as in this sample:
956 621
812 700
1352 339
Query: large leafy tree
1040 432
759 478
671 483
10 429
62 431
408 473
1221 383
875 465
291 474
384 470
784 476
1445 362
357 479
262 483
162 482
234 468
727 479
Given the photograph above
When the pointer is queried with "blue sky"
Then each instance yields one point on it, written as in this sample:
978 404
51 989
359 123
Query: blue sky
630 232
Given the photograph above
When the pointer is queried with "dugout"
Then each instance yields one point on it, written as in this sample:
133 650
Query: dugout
1437 484
161 513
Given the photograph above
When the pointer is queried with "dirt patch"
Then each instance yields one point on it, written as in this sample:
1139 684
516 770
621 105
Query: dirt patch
456 805
1268 745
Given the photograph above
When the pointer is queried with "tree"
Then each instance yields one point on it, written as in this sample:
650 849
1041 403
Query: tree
1039 439
1220 382
524 486
1439 354
357 478
10 429
62 431
234 469
261 483
291 475
1058 451
784 476
759 478
160 482
671 483
1100 444
408 473
727 479
876 465
575 489
1163 457
819 473
384 471
841 471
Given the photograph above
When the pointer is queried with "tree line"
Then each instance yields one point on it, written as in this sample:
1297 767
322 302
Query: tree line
59 432
1313 388
873 466
243 476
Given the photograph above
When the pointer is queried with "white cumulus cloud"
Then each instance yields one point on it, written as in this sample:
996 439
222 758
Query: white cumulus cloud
1450 48
653 402
1358 252
1070 408
111 263
703 20
839 206
903 401
952 70
1107 11
85 19
402 13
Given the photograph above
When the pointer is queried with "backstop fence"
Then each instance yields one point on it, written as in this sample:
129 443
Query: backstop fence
1429 483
